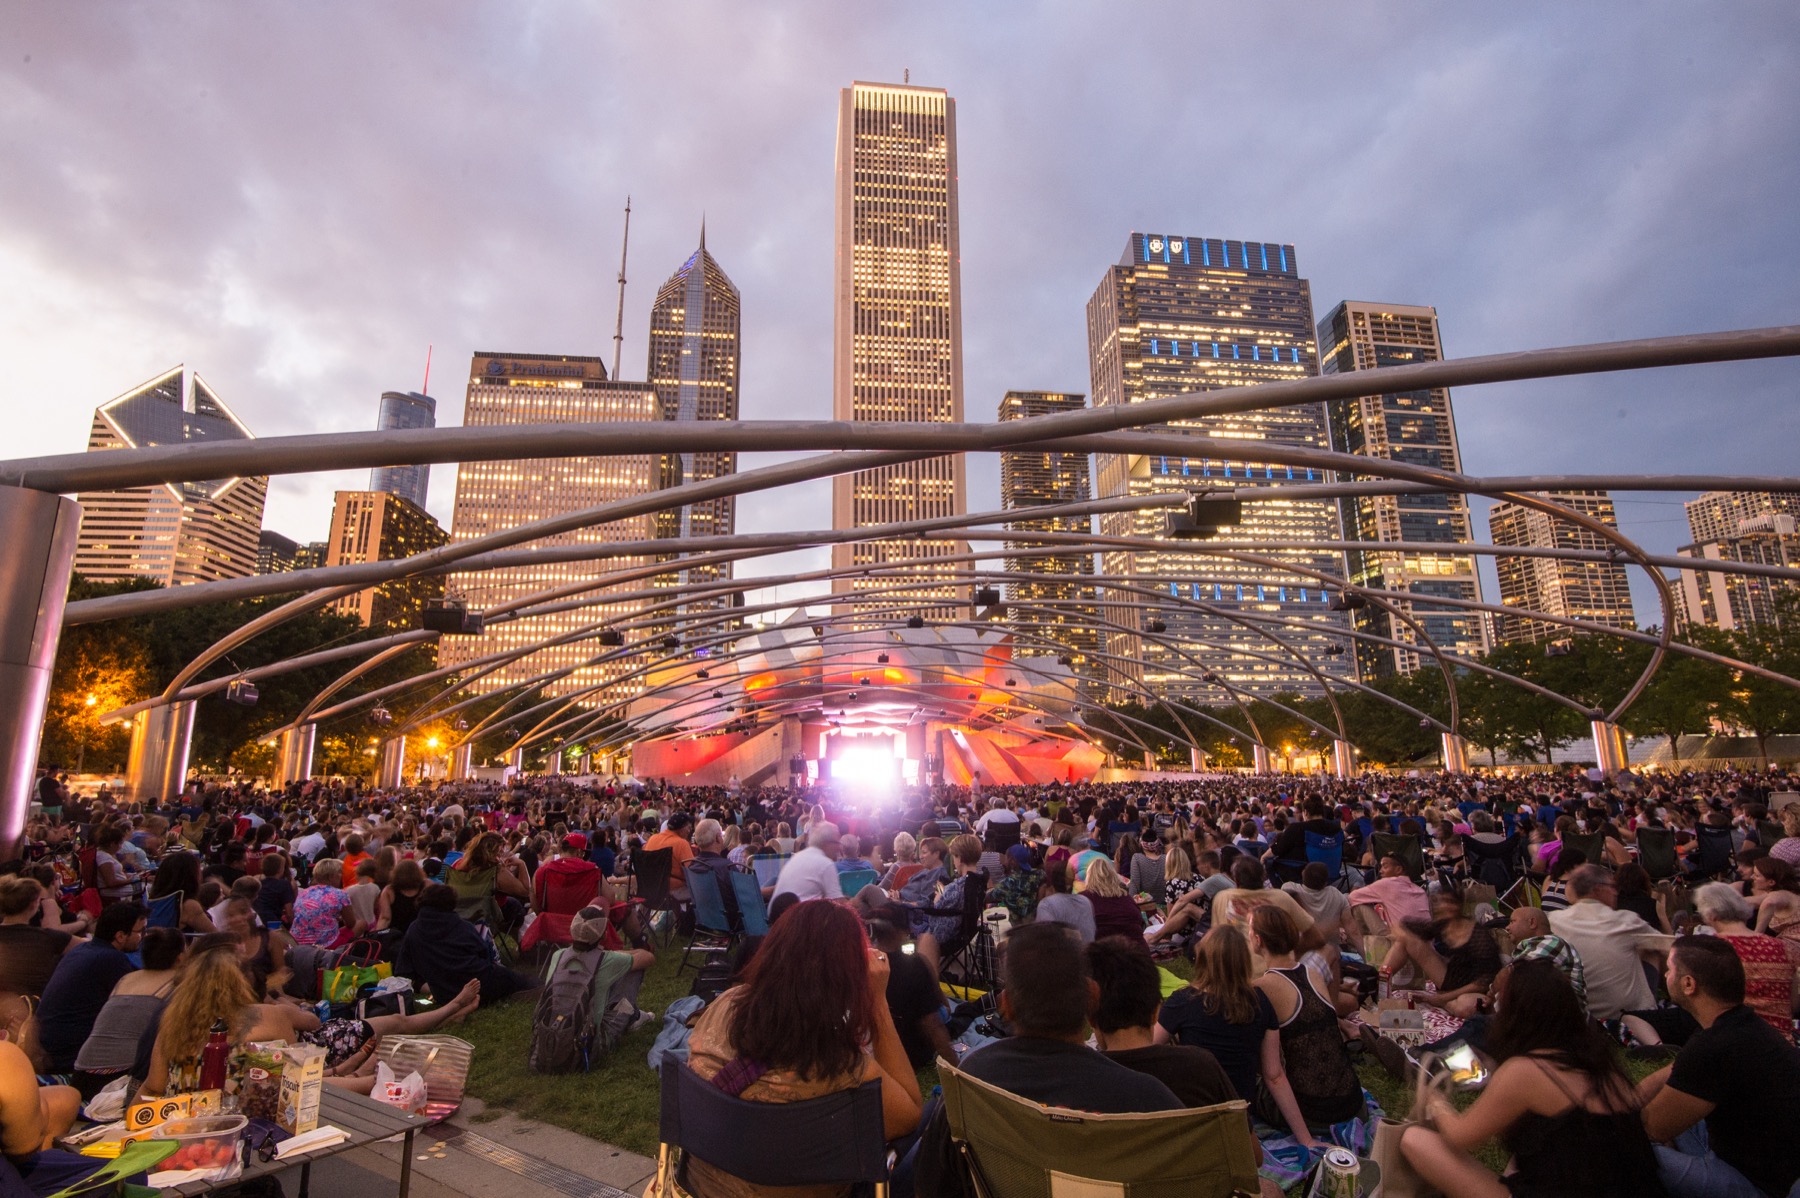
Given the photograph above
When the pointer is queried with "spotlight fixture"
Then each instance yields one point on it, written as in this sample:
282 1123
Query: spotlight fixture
241 691
703 674
881 659
862 681
380 715
611 638
1334 650
451 617
1012 682
1348 601
916 622
1155 625
1065 660
1212 678
987 597
671 642
851 696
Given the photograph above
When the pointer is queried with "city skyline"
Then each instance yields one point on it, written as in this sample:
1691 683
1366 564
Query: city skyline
1532 204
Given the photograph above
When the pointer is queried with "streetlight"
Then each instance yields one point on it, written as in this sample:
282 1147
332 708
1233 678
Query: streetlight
81 749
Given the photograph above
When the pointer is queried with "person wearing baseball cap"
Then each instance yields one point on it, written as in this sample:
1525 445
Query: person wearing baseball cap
617 980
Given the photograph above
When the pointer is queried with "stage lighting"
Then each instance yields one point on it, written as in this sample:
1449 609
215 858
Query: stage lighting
881 659
916 622
610 637
1155 625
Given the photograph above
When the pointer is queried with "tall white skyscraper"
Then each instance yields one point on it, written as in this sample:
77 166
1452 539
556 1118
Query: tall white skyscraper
897 348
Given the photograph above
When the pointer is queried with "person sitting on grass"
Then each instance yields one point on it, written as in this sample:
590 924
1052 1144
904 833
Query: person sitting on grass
443 951
618 979
809 1020
914 997
1723 1115
1559 1102
1451 951
213 987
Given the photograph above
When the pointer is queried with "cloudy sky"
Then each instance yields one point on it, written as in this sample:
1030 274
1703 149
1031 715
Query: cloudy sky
297 199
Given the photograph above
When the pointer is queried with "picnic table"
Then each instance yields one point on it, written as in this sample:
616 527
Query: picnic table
363 1119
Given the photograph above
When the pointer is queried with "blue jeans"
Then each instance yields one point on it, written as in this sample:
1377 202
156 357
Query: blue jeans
1690 1170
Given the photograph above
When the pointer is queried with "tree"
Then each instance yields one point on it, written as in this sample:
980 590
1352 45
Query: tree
1760 705
1684 694
1514 718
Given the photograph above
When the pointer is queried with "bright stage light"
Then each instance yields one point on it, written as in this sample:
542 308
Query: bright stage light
865 766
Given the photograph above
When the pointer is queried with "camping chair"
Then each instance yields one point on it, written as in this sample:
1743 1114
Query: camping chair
1768 832
1656 853
835 1140
165 912
1000 835
1326 850
1712 852
1407 848
1591 844
653 869
476 903
140 1156
712 925
1015 1148
971 951
561 889
852 881
1495 864
767 867
751 908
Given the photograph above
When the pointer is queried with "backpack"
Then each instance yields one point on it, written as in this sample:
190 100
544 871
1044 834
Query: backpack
562 1026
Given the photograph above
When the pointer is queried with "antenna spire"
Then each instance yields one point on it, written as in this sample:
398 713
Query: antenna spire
619 325
426 388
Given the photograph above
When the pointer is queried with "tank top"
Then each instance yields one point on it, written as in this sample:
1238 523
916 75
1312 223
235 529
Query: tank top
1313 1055
402 911
1581 1152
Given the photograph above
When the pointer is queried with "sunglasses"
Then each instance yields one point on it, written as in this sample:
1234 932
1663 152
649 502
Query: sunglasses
262 1142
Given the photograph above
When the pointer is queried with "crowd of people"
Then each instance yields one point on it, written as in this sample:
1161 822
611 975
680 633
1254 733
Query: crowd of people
1551 922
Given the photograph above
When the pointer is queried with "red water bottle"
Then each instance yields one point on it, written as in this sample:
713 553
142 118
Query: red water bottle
213 1059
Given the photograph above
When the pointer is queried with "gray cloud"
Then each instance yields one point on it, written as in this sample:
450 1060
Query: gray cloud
297 199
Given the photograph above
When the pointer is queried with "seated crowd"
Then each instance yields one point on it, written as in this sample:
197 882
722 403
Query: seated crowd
1521 911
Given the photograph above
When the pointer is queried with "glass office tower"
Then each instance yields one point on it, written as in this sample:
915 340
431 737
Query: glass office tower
400 410
1181 314
1415 427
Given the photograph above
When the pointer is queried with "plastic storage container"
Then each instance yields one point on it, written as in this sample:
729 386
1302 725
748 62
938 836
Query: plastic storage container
209 1143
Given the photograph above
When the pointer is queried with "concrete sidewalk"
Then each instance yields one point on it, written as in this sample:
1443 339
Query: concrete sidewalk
503 1157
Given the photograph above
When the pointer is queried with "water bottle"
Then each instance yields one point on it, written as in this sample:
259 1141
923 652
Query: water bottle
214 1057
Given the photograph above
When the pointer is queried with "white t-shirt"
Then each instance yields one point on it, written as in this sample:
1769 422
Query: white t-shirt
809 874
998 815
310 846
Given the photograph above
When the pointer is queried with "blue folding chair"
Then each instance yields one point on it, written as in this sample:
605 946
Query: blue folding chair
751 909
712 926
852 881
165 912
1327 851
1712 852
767 867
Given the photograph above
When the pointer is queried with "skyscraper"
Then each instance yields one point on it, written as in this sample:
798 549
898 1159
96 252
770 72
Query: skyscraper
274 552
1033 478
1415 427
495 496
897 337
174 533
375 526
1762 527
1180 314
400 410
1598 592
693 367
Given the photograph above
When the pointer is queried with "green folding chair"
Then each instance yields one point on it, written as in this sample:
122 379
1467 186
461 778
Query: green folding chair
140 1156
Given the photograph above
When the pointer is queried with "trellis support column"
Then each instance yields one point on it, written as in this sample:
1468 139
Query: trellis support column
160 739
392 771
37 551
1343 760
295 751
1609 747
1260 760
1456 753
461 762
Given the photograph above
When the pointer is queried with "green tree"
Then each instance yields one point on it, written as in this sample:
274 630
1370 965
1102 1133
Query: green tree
1760 705
1684 695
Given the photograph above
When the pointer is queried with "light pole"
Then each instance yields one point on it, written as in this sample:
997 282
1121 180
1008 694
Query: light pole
81 748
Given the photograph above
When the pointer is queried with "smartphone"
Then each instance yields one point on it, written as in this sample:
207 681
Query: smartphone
908 948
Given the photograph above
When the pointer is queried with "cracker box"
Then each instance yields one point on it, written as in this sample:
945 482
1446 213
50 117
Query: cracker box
142 1116
302 1081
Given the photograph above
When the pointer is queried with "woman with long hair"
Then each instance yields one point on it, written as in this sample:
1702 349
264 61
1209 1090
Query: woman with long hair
1115 911
399 901
810 1019
214 988
486 880
1560 1103
1324 1088
1222 1012
262 951
179 873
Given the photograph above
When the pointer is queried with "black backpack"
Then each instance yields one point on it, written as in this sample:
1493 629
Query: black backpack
562 1026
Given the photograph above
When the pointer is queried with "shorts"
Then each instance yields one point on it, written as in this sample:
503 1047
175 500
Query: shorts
340 1038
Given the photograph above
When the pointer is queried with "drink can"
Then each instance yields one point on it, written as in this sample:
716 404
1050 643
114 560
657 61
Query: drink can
1339 1174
